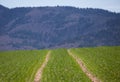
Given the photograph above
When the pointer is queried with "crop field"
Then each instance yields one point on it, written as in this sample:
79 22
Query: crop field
23 65
63 68
20 66
104 62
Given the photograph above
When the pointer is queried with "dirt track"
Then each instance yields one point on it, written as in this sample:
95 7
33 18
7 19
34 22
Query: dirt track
39 72
84 69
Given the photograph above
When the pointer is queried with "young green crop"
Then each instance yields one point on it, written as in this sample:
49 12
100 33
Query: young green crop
104 62
61 67
20 66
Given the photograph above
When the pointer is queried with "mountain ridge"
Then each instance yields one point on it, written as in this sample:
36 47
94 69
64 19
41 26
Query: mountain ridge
58 27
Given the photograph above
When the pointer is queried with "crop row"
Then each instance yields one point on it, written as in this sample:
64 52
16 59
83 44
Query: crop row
20 66
63 68
103 62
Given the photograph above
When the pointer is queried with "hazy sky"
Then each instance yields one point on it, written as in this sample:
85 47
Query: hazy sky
112 5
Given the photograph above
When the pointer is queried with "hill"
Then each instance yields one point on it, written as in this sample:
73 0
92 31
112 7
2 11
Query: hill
57 27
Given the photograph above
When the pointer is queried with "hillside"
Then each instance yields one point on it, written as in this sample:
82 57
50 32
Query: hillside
57 27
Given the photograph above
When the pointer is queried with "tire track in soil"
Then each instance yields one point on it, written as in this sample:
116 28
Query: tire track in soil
83 67
40 70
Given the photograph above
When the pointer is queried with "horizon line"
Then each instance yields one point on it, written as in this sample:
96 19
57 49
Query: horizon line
60 6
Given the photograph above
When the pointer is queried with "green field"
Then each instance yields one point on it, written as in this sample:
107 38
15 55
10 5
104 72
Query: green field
104 62
63 68
22 65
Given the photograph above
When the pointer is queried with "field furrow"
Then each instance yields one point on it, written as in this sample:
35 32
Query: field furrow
39 72
103 62
84 69
60 65
20 66
63 68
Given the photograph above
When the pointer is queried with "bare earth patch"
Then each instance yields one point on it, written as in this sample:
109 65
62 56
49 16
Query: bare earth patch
83 67
39 72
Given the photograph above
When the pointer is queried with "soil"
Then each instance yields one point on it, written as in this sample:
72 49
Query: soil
40 70
84 69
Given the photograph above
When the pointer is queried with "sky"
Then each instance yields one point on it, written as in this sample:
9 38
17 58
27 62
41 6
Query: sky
111 5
